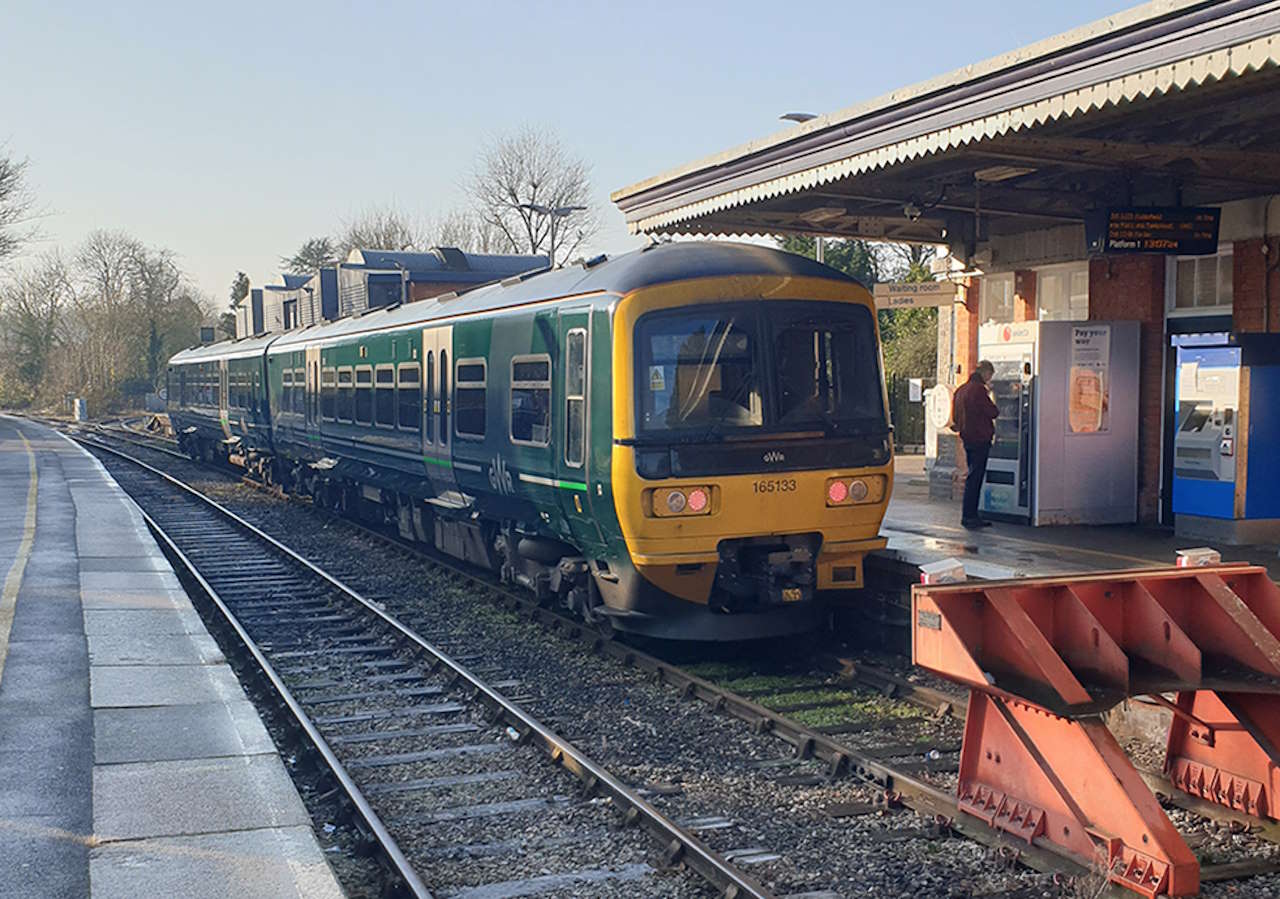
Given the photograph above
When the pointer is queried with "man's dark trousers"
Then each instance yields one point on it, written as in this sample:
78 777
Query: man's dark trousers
975 455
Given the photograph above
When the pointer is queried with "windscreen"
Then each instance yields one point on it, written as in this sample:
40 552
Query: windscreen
767 366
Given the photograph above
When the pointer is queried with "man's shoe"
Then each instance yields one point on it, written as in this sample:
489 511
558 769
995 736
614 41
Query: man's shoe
975 524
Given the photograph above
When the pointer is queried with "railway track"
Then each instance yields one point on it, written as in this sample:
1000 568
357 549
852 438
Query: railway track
898 773
421 742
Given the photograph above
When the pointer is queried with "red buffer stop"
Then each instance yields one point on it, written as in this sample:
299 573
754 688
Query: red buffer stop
1044 658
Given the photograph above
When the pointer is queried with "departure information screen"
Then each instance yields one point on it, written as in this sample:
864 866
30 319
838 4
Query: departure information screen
1173 230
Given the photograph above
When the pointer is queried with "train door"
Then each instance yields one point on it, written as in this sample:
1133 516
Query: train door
437 352
572 448
224 411
312 404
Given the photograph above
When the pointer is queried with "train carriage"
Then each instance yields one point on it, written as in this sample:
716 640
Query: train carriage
688 441
217 400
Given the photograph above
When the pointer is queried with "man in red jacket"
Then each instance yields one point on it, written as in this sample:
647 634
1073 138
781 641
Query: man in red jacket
973 414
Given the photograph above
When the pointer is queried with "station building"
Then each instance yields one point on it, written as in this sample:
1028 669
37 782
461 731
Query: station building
1050 175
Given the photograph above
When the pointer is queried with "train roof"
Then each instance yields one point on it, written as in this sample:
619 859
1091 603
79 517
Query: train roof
226 349
648 267
653 265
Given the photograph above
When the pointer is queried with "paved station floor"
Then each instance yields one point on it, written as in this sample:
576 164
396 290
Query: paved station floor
922 529
131 762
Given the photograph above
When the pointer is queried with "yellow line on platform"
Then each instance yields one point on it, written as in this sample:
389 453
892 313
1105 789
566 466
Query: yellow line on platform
12 581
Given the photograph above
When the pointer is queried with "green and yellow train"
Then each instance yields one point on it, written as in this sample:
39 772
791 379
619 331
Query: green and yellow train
688 441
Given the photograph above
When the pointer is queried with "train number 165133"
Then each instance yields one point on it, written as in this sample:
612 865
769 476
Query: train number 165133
775 485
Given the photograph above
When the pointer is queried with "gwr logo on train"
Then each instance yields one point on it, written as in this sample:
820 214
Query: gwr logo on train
500 477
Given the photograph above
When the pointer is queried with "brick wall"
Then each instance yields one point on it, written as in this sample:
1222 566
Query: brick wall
1248 268
966 336
1024 296
1131 288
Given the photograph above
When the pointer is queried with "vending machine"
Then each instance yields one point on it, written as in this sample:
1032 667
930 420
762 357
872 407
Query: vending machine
1066 442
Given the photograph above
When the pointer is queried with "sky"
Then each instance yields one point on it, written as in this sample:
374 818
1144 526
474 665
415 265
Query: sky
231 132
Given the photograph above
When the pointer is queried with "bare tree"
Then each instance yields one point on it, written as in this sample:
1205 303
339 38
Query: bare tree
469 232
32 305
380 228
313 255
535 194
908 261
17 206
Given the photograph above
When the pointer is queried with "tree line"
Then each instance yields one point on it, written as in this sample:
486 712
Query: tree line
98 322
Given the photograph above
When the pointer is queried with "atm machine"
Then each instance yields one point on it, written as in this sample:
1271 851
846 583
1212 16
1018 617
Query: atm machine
1226 437
1066 443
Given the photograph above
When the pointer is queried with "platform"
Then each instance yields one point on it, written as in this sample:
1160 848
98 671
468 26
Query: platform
131 762
922 529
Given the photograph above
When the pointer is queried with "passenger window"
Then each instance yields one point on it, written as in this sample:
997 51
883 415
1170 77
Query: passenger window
469 400
575 397
384 397
530 402
444 398
431 409
346 395
299 390
409 398
364 396
286 391
328 394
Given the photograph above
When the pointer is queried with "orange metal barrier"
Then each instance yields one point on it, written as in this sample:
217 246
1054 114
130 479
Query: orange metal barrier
1045 657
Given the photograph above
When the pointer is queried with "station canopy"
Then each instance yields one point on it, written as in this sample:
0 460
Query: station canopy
1167 104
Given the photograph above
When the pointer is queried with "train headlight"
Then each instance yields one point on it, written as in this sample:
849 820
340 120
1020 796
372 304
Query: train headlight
837 492
669 502
847 491
698 500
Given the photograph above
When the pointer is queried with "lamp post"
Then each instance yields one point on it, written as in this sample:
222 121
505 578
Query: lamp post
552 212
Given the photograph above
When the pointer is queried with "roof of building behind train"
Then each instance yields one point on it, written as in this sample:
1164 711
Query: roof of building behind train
653 265
446 264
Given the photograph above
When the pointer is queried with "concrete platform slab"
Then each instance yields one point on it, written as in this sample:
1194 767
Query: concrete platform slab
923 529
251 864
153 649
166 733
130 581
123 563
174 798
114 700
122 622
131 599
126 685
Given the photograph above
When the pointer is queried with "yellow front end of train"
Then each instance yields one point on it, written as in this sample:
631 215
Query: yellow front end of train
752 459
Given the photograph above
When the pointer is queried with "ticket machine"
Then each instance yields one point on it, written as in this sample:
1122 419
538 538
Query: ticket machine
1226 437
1066 442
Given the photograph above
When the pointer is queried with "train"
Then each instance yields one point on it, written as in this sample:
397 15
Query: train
688 441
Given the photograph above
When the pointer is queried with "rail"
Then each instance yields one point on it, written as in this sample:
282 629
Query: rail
681 846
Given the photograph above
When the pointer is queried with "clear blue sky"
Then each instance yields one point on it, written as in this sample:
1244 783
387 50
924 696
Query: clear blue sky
230 132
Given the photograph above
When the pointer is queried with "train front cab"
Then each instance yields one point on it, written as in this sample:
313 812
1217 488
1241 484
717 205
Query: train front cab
752 460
